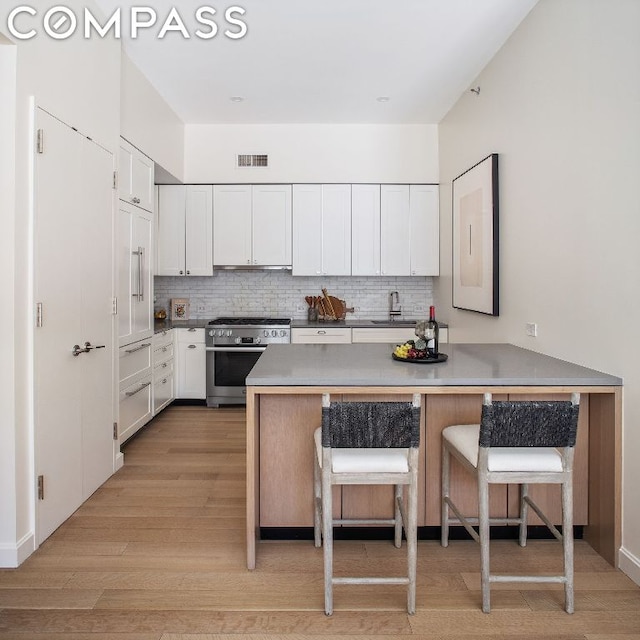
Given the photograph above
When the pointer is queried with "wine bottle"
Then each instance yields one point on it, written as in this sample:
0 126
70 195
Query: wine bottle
431 334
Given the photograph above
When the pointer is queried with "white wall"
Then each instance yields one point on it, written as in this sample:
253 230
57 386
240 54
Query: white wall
560 103
78 81
313 153
149 123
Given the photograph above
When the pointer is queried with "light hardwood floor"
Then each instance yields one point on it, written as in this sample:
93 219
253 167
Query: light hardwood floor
158 553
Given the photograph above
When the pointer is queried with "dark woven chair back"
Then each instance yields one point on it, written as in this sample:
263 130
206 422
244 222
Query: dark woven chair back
370 425
529 424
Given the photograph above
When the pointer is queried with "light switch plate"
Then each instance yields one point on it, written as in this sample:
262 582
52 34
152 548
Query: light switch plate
531 329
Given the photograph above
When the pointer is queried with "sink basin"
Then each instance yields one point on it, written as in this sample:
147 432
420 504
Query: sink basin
398 323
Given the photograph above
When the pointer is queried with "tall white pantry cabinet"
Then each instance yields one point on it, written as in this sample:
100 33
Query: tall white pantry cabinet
135 289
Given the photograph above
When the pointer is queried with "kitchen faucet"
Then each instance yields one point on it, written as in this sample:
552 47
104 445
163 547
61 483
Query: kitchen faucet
395 309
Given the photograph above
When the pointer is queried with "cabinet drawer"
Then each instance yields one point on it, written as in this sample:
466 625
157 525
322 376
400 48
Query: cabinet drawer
162 354
162 338
135 407
162 390
134 360
191 335
395 335
321 336
162 369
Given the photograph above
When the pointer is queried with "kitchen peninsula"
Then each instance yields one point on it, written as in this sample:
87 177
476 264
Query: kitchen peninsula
284 407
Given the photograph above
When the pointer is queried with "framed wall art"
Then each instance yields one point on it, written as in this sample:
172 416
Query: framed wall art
475 238
179 308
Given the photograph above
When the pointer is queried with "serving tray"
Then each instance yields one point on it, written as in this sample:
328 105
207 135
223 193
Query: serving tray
442 357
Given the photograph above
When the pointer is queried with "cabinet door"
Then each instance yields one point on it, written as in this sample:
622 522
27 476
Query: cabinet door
336 230
199 231
365 230
231 225
191 364
424 230
135 176
142 276
307 230
171 230
271 225
135 276
395 230
321 336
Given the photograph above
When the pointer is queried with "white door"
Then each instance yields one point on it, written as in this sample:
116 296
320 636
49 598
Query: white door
73 275
271 225
365 230
199 231
232 225
171 230
395 232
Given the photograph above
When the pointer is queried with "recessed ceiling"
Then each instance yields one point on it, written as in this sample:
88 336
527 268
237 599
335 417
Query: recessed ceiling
322 61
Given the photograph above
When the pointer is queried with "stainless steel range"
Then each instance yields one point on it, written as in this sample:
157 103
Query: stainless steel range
233 347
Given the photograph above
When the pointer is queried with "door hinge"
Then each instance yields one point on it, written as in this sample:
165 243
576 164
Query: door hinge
114 307
115 430
40 141
38 314
115 179
40 487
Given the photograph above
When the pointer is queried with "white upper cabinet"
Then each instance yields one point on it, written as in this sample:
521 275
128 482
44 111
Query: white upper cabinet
409 227
185 227
365 230
135 177
271 225
425 229
252 225
322 230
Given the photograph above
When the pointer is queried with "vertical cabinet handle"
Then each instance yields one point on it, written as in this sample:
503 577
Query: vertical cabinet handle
140 255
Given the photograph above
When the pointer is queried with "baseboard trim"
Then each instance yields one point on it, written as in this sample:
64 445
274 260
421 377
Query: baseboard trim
13 555
630 564
119 461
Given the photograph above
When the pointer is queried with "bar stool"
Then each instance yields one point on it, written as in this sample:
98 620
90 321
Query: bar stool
368 443
516 442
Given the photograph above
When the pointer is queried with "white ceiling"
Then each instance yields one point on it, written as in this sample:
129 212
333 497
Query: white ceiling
323 61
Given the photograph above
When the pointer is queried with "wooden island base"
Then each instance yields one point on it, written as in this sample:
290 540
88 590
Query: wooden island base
281 421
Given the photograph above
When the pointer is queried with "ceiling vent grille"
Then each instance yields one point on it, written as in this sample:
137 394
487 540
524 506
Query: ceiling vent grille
248 160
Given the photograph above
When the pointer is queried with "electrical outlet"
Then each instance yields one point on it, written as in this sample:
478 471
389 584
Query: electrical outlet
300 308
201 308
419 308
531 329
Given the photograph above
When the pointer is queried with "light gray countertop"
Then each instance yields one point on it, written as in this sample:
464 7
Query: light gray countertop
372 365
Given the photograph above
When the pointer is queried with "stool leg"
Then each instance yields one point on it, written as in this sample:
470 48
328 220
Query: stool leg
524 513
411 531
483 517
444 517
327 534
567 542
317 499
398 516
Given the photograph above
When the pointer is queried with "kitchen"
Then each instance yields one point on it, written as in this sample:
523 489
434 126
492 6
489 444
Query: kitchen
562 306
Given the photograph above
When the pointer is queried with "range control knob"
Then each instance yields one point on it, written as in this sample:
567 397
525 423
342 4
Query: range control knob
237 340
266 333
274 333
220 333
258 340
212 333
283 333
229 332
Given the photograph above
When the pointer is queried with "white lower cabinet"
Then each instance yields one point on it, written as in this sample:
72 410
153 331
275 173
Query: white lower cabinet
135 396
191 364
392 335
312 335
163 370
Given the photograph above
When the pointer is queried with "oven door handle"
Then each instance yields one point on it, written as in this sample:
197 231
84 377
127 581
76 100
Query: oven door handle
237 349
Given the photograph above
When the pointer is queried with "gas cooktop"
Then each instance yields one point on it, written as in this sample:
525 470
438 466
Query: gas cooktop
259 322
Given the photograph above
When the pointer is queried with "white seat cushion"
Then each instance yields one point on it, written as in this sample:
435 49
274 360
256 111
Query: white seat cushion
464 438
364 460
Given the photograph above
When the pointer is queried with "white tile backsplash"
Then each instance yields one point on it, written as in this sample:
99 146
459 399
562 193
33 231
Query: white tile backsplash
278 293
